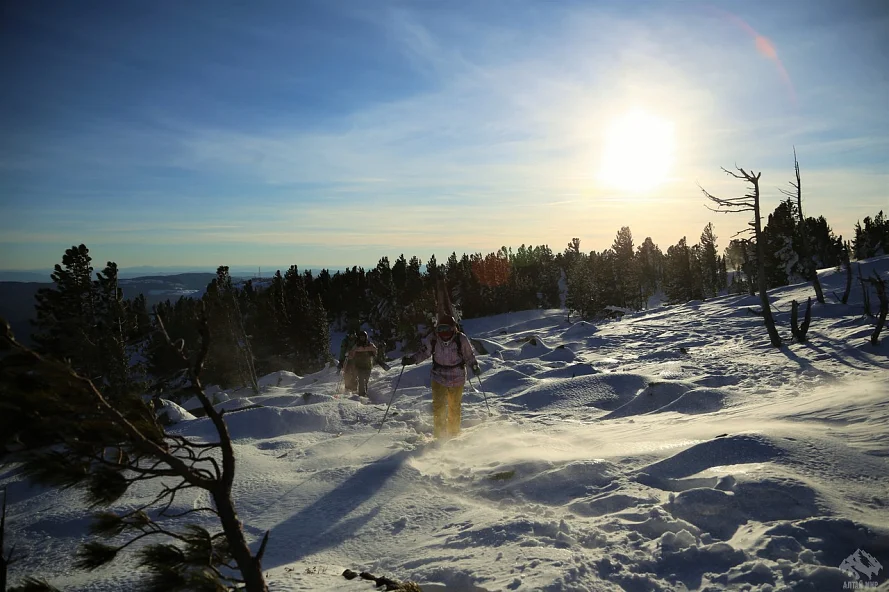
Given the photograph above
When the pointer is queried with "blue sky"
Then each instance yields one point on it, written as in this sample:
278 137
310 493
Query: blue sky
333 133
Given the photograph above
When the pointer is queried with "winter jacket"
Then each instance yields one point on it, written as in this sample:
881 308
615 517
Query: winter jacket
363 356
347 344
448 367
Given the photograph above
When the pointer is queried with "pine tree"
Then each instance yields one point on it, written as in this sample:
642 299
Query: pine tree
826 248
606 287
807 265
384 301
782 261
872 239
114 328
164 365
230 359
580 286
298 309
709 263
626 272
547 278
678 279
650 266
104 446
66 314
695 266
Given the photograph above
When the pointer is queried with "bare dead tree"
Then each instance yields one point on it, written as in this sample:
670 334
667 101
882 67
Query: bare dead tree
799 331
808 262
750 203
847 261
879 285
865 292
104 448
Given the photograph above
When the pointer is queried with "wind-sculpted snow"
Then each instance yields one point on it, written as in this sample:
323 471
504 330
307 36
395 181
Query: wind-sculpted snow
271 422
567 371
560 354
729 450
698 400
578 330
670 450
721 513
602 391
548 483
655 396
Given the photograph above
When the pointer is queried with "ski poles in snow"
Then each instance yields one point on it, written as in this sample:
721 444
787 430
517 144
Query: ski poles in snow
484 394
392 398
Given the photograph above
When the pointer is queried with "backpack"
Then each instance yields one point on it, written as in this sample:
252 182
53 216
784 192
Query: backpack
462 364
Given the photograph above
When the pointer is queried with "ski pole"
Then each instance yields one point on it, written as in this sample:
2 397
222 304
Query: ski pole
483 394
392 398
339 384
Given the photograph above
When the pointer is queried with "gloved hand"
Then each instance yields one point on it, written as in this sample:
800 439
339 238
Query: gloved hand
475 369
407 360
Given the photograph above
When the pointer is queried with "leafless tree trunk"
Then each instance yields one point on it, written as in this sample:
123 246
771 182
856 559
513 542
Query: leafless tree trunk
799 332
220 487
808 263
879 285
750 203
847 261
865 292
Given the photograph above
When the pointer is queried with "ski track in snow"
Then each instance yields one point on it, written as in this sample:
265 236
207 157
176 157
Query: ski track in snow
670 450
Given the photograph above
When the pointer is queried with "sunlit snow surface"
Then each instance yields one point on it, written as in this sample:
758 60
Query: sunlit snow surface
670 450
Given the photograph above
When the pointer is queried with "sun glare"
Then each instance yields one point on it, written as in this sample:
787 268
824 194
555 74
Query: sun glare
638 153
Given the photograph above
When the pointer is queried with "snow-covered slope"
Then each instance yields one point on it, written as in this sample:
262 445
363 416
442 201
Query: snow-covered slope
670 450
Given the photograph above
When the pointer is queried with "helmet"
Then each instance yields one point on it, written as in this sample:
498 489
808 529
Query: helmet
446 327
362 336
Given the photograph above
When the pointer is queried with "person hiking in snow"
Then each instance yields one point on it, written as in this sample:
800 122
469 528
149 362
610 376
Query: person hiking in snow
451 352
350 378
361 358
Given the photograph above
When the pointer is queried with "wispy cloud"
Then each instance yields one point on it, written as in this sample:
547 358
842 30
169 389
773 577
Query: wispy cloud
501 138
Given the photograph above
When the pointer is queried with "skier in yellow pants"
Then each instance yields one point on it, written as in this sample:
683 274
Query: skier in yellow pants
450 351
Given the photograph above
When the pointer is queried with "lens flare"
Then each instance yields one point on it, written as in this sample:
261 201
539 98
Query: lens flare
764 47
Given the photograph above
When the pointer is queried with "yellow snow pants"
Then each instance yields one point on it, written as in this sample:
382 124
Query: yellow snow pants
446 409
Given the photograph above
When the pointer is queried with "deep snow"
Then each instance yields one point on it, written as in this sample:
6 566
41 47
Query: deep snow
670 450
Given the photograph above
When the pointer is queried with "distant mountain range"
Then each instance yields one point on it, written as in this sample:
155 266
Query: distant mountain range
37 275
17 297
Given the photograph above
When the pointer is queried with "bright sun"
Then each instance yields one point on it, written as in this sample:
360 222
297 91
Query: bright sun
638 152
